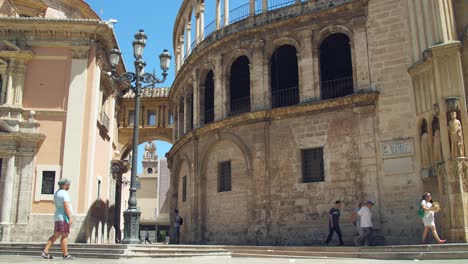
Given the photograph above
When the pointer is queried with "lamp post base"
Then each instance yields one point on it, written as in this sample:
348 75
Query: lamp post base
131 227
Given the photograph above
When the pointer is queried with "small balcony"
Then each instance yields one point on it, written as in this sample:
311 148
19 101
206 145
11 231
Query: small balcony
240 106
337 88
285 97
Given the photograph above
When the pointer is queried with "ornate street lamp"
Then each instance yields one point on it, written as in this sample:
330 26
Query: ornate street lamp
141 80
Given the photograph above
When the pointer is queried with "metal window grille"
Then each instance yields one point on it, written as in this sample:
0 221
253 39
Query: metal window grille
48 182
224 176
312 165
184 188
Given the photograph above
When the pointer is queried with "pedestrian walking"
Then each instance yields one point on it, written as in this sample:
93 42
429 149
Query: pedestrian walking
367 227
357 222
428 219
147 236
334 223
178 221
62 220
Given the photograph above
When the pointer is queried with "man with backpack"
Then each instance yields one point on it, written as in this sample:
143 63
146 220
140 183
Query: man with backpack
179 221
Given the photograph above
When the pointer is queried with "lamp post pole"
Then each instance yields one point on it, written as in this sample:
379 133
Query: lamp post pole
132 214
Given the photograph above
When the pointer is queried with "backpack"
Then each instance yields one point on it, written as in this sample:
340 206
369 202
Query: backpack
181 221
421 212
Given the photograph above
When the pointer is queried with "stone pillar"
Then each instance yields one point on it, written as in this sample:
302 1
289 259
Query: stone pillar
197 26
259 79
9 93
118 168
202 22
25 164
317 93
359 55
7 195
218 14
368 182
182 50
189 37
181 127
252 7
226 12
75 111
306 75
18 85
265 6
219 94
188 111
196 101
175 122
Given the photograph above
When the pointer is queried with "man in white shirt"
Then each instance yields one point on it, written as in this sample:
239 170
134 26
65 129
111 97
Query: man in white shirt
366 224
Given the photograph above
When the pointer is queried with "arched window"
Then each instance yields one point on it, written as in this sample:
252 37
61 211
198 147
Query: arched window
284 77
209 97
239 86
336 68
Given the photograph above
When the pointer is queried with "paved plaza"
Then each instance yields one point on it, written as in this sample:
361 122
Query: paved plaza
223 260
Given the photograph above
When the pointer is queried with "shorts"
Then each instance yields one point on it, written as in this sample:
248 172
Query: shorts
62 227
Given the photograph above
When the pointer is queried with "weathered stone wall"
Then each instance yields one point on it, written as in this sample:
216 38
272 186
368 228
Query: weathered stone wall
371 151
300 210
185 208
390 57
226 212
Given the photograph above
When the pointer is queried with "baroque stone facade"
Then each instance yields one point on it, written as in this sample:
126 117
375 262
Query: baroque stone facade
57 118
258 90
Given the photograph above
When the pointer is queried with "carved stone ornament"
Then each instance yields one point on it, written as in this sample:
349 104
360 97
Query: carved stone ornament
456 136
80 52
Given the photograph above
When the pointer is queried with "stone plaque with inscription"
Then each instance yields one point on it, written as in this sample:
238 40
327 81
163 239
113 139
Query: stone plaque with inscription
397 148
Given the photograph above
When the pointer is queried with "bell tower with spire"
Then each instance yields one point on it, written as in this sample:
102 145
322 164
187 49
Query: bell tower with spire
150 160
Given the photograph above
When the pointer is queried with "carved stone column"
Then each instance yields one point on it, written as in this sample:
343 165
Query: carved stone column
118 168
226 12
7 194
218 14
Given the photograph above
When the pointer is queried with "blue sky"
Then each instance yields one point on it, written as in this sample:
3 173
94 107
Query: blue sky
157 19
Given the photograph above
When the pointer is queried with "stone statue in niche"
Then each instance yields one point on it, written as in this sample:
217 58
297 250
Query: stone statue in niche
425 152
437 142
456 136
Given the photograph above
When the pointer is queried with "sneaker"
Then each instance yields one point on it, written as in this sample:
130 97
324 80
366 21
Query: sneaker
46 255
442 241
69 257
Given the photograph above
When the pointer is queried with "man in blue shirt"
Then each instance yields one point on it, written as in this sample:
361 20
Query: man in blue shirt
334 223
62 220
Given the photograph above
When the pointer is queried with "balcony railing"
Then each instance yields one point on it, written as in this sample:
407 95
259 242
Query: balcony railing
105 121
274 4
337 88
209 116
240 106
285 97
239 13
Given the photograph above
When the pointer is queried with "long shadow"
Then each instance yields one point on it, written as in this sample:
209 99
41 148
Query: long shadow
96 227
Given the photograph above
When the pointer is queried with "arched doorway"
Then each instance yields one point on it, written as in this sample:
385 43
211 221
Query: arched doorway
284 76
239 86
336 68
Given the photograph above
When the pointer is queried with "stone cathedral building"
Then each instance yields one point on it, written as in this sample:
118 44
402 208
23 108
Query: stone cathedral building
282 107
57 118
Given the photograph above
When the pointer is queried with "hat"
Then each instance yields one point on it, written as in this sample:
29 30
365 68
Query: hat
370 202
63 181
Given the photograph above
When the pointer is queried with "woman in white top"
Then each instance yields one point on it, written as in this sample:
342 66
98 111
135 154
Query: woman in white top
428 218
